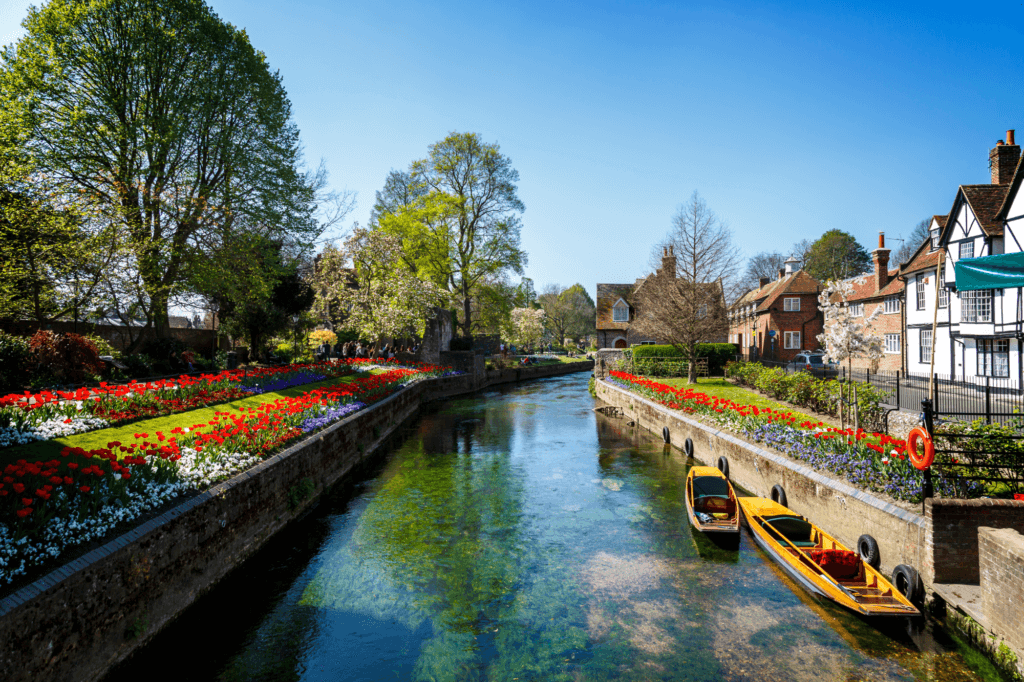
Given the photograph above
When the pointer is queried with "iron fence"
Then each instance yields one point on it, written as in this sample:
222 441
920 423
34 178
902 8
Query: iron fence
994 399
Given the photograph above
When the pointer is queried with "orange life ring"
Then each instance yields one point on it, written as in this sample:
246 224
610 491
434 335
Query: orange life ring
920 461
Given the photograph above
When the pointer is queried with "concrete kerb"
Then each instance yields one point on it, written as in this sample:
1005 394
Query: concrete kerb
842 510
71 623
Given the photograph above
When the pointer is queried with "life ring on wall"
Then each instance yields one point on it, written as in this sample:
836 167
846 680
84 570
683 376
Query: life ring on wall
920 461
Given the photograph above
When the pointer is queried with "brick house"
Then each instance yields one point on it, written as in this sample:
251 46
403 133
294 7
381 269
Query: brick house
616 311
881 288
778 319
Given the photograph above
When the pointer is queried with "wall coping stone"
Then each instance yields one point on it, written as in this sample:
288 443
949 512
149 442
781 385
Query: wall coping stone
813 474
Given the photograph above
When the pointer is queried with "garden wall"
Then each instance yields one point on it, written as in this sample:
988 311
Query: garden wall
81 619
200 340
838 507
1001 554
951 538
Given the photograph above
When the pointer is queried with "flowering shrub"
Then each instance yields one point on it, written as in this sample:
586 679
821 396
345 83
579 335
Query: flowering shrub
48 506
872 461
66 357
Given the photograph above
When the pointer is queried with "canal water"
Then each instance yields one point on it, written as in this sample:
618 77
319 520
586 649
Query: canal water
519 535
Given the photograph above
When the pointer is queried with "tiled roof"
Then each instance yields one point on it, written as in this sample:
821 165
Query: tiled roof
607 296
797 283
746 299
985 201
1015 182
924 259
864 286
940 219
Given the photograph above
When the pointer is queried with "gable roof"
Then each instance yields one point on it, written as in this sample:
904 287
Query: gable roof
798 282
864 286
923 259
986 201
607 296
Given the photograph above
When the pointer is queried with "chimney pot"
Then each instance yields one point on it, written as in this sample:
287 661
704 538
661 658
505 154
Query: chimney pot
999 143
1002 160
763 281
1009 137
881 240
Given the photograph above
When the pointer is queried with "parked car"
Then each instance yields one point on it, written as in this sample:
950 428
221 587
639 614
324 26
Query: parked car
811 360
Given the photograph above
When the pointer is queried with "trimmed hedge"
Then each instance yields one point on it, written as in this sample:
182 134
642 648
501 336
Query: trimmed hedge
718 354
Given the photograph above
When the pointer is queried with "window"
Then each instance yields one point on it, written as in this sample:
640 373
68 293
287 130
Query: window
976 306
620 313
920 292
943 291
702 311
792 339
892 304
994 357
791 304
892 343
934 232
967 249
856 310
926 345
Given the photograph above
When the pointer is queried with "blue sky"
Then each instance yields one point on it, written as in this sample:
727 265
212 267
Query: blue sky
789 119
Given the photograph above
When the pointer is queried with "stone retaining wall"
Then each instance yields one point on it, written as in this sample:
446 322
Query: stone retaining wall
81 619
838 507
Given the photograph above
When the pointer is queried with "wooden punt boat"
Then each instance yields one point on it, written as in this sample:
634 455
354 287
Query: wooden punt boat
821 564
711 502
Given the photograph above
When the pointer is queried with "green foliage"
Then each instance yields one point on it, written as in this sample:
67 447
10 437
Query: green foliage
718 355
996 444
592 386
104 347
298 494
15 356
836 255
802 388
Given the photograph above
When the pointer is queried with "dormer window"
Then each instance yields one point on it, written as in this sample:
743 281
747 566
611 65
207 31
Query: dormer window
934 232
620 311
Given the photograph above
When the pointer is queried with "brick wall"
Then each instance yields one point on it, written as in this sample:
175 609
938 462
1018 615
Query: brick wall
200 340
1001 554
891 323
951 549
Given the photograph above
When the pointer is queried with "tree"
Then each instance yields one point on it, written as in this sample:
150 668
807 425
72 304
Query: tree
369 280
845 336
164 122
568 312
457 213
768 263
687 307
836 255
525 327
908 246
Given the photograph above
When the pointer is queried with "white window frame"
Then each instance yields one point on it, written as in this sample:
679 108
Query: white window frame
791 305
892 343
926 345
615 311
791 340
994 357
967 249
892 305
919 288
934 234
976 306
856 310
943 291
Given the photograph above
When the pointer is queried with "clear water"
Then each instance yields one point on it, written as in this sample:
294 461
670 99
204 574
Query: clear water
519 535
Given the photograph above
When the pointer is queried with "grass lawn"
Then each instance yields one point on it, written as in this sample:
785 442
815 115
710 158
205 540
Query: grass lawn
48 449
720 388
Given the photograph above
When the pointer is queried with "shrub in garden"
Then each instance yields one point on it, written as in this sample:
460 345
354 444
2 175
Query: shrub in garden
159 351
67 358
15 355
718 355
104 347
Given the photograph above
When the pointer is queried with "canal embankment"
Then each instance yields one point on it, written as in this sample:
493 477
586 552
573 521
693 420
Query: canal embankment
93 612
941 542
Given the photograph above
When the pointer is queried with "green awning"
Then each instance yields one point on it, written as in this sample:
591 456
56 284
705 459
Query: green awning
1003 271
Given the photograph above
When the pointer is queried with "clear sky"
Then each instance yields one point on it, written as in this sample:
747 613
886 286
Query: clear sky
789 118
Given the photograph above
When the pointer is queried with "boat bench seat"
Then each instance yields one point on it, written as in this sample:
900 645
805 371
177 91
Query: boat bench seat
792 528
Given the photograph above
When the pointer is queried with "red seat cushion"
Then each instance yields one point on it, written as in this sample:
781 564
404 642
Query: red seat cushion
715 505
841 564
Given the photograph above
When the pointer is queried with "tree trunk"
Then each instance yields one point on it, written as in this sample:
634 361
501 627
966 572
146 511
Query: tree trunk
691 369
467 312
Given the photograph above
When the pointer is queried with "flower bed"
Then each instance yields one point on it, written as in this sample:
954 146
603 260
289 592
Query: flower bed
871 461
48 506
30 417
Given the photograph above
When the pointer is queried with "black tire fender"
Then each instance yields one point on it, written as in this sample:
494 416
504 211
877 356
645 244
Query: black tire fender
908 582
723 466
779 495
867 548
688 447
665 435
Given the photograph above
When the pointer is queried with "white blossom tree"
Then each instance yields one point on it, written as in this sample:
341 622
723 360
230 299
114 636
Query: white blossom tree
846 335
368 279
526 326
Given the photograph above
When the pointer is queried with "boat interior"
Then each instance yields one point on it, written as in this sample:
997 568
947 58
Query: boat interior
711 495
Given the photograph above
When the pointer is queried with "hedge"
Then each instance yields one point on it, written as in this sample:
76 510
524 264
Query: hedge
718 354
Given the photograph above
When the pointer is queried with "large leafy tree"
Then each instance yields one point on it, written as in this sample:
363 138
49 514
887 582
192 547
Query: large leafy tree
162 121
569 312
457 213
836 255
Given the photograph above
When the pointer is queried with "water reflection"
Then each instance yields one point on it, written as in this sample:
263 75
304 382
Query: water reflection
520 535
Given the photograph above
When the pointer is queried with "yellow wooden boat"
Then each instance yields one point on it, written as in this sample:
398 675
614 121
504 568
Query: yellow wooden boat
820 563
711 501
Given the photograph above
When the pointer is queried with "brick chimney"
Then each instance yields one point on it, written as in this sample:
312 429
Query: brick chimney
668 262
1003 158
782 273
763 282
880 256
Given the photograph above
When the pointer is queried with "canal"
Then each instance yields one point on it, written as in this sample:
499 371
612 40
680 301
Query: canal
518 535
